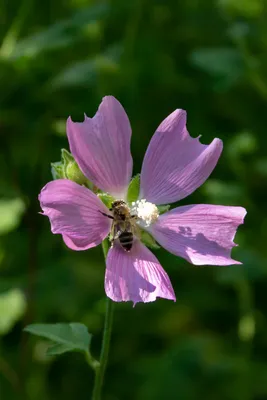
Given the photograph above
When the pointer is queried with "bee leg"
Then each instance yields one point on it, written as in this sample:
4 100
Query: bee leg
106 215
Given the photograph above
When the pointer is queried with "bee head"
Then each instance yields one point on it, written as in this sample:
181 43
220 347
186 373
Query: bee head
117 204
120 209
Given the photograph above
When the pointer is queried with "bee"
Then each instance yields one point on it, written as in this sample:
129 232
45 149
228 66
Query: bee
123 227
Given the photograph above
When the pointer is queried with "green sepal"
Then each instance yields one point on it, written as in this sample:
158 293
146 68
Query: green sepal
133 189
163 209
66 156
106 198
57 170
148 240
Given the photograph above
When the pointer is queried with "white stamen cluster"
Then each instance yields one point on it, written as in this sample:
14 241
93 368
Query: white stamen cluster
146 212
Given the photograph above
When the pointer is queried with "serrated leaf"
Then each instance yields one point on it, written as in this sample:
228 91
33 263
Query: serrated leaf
133 189
163 209
149 241
67 337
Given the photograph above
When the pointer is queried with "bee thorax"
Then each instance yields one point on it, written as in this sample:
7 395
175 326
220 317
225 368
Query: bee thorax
146 212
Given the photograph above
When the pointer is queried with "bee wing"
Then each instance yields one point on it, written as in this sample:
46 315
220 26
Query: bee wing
118 228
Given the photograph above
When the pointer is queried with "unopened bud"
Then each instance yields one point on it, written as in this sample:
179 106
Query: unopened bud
67 168
73 172
57 170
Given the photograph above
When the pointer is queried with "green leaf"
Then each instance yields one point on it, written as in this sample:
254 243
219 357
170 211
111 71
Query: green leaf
163 209
12 308
242 8
66 337
11 211
246 327
58 348
224 64
106 198
59 35
149 241
133 189
86 72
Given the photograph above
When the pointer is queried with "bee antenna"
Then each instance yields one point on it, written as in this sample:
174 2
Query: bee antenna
106 215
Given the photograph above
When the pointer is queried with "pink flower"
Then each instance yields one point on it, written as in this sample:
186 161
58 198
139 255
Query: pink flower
175 165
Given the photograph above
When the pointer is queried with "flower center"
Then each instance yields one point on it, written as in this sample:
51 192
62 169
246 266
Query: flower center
146 212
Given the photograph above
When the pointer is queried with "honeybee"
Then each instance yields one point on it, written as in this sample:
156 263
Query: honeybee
123 227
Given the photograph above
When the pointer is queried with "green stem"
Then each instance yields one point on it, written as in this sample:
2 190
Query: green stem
100 369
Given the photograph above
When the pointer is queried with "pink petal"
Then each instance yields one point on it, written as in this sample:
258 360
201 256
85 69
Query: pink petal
136 276
73 211
176 164
101 147
202 234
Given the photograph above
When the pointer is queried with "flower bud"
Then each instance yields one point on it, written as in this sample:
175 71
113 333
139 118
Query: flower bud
73 172
67 168
57 170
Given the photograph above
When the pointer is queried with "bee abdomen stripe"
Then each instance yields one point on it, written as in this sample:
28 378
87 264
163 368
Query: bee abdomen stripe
126 238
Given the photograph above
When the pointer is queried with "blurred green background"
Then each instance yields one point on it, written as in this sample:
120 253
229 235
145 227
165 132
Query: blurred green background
59 58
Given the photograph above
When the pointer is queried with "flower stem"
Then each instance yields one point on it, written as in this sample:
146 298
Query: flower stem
100 369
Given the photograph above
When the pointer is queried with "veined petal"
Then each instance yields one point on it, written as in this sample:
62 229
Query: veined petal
176 164
136 276
74 212
101 147
202 234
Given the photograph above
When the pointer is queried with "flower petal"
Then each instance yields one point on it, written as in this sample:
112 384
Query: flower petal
74 212
136 276
202 234
101 147
176 164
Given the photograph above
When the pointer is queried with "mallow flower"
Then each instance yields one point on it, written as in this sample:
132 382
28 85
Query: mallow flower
174 166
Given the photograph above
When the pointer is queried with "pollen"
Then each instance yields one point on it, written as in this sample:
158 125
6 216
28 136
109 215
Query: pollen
146 212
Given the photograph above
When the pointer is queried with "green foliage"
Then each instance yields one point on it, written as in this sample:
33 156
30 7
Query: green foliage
67 168
148 240
60 34
88 71
245 8
133 189
57 170
66 337
58 59
163 209
12 308
224 64
11 212
106 198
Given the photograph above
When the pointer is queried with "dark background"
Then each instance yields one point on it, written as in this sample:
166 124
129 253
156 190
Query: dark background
59 58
